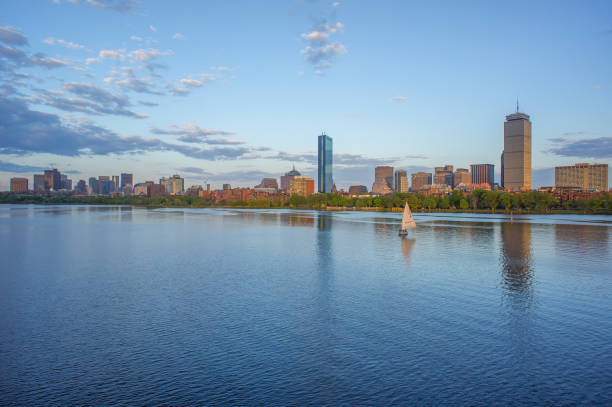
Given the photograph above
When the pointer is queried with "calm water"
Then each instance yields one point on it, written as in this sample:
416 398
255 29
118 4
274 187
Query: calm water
121 305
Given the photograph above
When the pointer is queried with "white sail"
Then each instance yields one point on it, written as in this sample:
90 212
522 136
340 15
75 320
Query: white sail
407 219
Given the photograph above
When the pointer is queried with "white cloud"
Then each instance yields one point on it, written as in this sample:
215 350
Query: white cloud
399 98
178 36
320 51
179 91
192 82
153 28
326 52
335 4
135 38
63 43
144 55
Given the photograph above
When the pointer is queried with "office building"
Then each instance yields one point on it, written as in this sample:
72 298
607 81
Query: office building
81 187
175 185
301 185
39 183
383 180
52 180
94 185
286 179
462 176
400 182
127 179
325 163
19 185
420 179
116 182
502 170
582 176
226 187
517 152
443 175
483 174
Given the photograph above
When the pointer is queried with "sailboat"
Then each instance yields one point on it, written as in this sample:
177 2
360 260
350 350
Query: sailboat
407 221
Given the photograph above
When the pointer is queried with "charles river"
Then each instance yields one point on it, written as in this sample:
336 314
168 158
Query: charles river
135 306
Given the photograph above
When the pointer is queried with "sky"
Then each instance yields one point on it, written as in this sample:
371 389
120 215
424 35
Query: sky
233 91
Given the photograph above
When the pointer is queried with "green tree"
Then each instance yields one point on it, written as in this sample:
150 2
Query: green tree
430 202
456 197
463 204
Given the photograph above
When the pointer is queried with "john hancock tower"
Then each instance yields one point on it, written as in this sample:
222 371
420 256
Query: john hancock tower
326 181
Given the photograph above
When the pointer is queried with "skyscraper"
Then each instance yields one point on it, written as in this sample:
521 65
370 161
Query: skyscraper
383 180
420 179
326 180
483 174
401 182
127 179
443 175
517 151
502 170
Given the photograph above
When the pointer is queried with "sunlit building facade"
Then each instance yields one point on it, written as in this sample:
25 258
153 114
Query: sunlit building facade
582 176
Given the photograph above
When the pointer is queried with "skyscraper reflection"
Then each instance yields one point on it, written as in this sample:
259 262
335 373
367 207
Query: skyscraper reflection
515 262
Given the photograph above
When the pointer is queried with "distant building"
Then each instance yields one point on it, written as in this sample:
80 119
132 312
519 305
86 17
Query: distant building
443 175
226 187
400 182
94 185
420 179
461 176
286 179
107 186
39 183
301 185
175 185
268 183
116 182
502 170
358 189
383 180
19 185
517 152
52 180
81 187
65 182
582 176
483 174
325 163
127 179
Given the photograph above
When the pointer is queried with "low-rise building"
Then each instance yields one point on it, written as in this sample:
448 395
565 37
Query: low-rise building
19 185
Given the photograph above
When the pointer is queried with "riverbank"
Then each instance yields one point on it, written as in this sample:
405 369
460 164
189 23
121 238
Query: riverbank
194 202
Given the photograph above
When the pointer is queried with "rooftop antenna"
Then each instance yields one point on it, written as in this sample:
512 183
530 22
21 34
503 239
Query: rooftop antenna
517 107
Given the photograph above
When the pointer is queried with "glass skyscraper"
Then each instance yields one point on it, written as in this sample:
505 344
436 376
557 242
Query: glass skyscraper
326 181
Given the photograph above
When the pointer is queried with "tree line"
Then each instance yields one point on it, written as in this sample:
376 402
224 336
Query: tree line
477 200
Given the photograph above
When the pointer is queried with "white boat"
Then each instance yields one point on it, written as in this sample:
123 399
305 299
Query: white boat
407 221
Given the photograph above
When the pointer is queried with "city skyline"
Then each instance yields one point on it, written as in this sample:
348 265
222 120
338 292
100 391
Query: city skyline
149 90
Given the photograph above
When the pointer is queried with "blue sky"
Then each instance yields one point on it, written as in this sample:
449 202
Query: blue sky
232 91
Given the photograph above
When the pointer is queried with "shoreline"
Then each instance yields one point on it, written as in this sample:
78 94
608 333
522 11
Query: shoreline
329 208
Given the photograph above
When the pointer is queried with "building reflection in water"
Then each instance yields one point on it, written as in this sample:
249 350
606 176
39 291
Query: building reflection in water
582 241
515 262
323 313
